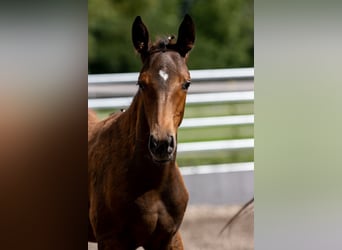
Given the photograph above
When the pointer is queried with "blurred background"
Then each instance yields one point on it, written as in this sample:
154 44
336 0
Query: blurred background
224 32
216 138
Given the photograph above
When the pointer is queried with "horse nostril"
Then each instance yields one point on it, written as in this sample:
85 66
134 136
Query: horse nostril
153 144
171 144
163 147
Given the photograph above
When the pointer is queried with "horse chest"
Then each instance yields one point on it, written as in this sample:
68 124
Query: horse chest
153 218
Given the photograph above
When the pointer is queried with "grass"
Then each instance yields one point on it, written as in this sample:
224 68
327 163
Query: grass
215 157
208 110
215 133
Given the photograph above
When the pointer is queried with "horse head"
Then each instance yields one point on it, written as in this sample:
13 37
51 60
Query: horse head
163 83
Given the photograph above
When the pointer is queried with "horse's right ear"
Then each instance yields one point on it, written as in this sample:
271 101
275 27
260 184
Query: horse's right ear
140 36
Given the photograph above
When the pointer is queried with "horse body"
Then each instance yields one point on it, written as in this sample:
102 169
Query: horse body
138 197
136 193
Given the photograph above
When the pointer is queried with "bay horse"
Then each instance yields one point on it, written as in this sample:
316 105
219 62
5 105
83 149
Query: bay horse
137 197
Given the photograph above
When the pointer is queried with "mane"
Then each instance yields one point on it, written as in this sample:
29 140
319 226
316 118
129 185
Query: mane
163 44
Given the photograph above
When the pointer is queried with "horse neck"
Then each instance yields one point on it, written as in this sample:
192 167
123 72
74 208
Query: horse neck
135 125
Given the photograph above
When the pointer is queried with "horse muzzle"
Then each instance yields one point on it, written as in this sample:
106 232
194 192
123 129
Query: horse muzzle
162 150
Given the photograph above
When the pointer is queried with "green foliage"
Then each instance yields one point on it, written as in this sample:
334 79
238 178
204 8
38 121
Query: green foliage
224 34
224 31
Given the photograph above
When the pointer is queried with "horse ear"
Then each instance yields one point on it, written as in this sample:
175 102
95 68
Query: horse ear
186 35
140 36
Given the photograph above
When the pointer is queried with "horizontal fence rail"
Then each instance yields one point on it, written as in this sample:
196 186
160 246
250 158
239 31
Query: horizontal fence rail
215 145
217 121
218 168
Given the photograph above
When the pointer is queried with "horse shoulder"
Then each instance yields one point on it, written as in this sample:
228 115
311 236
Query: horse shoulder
106 176
92 120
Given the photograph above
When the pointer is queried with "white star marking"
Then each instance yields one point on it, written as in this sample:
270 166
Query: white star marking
163 75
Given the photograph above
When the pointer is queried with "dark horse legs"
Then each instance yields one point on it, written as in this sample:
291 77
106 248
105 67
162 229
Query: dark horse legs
111 244
175 244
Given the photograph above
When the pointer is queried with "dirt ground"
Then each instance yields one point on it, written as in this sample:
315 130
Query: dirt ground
202 224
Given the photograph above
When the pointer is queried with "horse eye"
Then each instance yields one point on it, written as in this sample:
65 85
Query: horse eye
186 85
141 85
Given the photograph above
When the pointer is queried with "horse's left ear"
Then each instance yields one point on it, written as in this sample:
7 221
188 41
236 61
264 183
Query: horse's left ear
186 36
140 36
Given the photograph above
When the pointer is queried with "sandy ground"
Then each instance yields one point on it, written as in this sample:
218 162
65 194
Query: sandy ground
202 224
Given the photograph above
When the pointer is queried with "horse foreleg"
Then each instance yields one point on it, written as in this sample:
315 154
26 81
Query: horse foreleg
176 242
112 244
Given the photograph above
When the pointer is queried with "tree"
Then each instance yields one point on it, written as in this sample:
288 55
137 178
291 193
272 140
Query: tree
224 32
